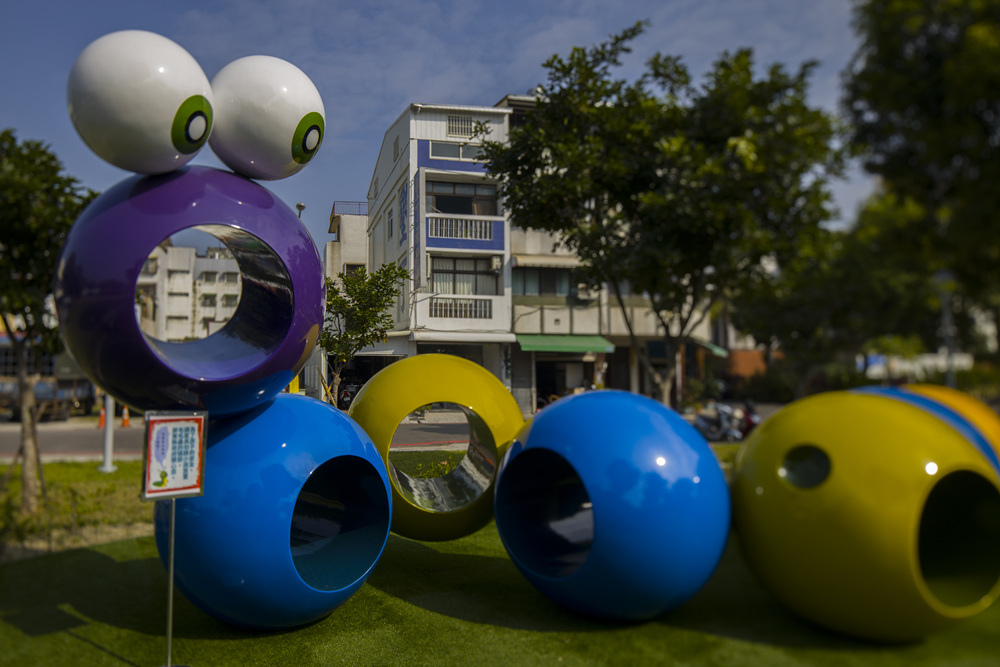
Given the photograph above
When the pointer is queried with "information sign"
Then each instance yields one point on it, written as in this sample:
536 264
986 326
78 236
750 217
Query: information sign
174 455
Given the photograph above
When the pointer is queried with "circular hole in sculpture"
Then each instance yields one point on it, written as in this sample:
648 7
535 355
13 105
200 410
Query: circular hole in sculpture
959 542
805 466
339 524
213 302
544 513
445 464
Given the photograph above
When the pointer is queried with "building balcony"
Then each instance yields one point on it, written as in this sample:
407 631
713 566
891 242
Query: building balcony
444 312
465 232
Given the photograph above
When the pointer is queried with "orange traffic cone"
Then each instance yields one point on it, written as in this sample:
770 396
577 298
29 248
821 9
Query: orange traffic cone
100 423
125 422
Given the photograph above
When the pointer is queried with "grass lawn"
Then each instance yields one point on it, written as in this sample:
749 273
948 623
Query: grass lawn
448 603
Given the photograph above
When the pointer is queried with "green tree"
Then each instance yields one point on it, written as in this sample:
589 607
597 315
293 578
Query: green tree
357 314
676 191
923 95
38 204
846 292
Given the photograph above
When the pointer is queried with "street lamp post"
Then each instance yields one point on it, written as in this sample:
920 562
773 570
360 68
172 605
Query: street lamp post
301 207
943 280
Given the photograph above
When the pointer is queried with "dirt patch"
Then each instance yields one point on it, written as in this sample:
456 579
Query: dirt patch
40 545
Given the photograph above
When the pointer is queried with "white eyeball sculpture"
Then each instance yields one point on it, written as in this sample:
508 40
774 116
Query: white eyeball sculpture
140 101
270 120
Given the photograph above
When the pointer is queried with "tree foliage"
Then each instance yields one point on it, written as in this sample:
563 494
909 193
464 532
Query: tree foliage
38 204
357 313
867 289
679 191
923 95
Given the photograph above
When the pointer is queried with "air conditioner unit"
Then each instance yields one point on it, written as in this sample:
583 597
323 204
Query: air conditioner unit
496 263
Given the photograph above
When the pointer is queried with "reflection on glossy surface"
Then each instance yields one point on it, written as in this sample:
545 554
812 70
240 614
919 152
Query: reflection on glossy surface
900 537
295 515
461 502
612 505
241 366
459 487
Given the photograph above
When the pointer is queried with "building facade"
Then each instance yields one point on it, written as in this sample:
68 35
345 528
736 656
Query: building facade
483 289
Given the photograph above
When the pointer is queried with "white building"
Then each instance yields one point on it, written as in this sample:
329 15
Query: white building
183 295
433 212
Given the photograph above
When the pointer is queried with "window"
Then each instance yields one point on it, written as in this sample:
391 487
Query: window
388 221
540 282
208 300
460 126
461 198
352 269
395 148
150 266
209 276
455 151
230 277
463 276
230 300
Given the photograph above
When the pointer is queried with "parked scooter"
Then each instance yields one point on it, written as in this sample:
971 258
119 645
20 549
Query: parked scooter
717 422
750 419
347 394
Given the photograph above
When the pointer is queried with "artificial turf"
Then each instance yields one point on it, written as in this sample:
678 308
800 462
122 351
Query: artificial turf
447 603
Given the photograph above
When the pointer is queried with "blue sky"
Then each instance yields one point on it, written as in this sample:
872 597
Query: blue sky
369 60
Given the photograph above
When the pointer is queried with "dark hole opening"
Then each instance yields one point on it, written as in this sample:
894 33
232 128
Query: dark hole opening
805 466
959 547
340 523
546 513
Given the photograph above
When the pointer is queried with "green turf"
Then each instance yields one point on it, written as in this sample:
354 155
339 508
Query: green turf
451 603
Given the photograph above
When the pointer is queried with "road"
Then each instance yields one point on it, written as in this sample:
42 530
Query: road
82 440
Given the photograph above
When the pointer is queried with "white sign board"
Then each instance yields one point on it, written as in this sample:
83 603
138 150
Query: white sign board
174 456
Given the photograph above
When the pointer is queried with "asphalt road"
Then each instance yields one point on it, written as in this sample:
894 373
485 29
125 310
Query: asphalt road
81 439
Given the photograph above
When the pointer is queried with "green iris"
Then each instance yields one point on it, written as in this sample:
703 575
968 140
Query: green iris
192 124
308 137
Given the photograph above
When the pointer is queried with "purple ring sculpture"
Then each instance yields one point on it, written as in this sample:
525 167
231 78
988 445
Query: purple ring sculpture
243 365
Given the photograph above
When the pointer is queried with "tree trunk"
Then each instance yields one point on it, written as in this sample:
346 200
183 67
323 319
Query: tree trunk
30 472
335 384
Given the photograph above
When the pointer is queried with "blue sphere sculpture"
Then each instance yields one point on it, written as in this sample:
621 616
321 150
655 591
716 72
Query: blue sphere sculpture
295 515
612 505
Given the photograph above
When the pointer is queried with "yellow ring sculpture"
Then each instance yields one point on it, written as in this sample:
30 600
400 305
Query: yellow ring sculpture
869 516
461 502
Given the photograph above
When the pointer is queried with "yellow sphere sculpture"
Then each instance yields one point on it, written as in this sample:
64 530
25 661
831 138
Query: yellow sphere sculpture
869 515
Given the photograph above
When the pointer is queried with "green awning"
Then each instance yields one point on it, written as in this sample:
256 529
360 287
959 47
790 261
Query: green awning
557 343
711 347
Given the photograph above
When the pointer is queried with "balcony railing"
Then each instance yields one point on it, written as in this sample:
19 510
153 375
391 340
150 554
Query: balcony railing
350 208
474 309
460 228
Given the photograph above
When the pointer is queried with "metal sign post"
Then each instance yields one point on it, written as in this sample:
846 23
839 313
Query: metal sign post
173 467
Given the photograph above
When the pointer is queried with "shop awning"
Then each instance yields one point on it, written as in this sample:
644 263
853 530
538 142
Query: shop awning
557 343
711 347
549 260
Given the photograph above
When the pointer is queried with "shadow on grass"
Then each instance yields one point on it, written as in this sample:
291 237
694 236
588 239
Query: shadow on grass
733 604
477 588
123 585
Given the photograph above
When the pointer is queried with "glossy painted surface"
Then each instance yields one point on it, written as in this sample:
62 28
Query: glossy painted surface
246 363
267 546
869 515
980 415
461 502
270 117
612 505
130 99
